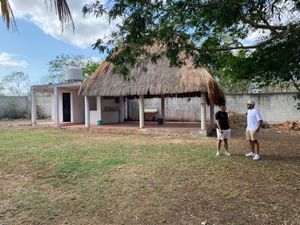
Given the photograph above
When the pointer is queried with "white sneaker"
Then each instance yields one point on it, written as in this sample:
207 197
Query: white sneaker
227 153
218 153
256 157
250 154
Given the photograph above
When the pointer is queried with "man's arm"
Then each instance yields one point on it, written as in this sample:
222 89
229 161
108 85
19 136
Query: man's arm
259 123
219 125
259 118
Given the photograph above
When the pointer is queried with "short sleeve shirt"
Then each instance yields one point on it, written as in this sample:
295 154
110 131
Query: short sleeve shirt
253 116
223 119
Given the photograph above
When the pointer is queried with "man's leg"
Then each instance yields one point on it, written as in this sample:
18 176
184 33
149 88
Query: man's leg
226 147
249 138
257 156
255 142
257 146
219 143
251 146
251 153
226 144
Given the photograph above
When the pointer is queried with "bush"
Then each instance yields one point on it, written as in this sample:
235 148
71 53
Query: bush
40 113
13 112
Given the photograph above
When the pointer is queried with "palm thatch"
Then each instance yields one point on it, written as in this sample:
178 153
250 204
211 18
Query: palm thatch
154 80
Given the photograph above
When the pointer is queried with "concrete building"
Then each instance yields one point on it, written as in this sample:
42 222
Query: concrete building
67 106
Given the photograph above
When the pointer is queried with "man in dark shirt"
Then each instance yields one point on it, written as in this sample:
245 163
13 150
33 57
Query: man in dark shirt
223 129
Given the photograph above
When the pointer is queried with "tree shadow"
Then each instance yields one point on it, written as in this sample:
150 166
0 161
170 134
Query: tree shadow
290 158
283 158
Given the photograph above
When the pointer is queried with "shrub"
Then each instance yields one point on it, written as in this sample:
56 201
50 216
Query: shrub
13 111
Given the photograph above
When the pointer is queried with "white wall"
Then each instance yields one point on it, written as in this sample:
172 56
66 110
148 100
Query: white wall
183 109
274 107
21 103
45 104
94 117
110 111
77 105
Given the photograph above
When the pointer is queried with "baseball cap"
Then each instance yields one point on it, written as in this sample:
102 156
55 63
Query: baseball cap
250 102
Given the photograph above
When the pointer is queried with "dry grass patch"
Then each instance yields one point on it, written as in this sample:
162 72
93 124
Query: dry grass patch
56 176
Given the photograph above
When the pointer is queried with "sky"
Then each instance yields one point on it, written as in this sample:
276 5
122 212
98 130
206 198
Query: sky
39 39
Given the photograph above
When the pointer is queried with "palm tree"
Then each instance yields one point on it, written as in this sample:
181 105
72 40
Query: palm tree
61 8
7 14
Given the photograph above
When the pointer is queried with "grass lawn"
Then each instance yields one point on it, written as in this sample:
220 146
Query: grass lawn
63 176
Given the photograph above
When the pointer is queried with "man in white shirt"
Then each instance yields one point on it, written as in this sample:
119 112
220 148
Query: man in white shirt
254 122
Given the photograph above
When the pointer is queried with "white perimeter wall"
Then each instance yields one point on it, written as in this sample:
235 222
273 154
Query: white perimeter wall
274 107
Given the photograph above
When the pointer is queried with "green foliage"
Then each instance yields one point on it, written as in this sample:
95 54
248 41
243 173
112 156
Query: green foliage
1 89
40 113
13 111
16 84
89 68
212 33
58 66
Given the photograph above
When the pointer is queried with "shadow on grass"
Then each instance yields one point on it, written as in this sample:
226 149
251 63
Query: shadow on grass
281 158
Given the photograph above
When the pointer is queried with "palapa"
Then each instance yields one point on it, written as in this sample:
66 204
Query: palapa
154 80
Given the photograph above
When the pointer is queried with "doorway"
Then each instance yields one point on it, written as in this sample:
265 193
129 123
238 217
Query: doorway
66 107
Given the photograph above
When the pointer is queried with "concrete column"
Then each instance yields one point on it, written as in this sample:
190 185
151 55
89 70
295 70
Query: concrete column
203 111
141 111
212 115
53 107
56 106
122 109
126 109
87 111
162 107
99 107
33 107
72 107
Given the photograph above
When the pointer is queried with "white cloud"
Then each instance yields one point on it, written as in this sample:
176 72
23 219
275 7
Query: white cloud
9 61
96 59
87 29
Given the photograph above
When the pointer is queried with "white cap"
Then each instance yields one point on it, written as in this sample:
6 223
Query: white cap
250 102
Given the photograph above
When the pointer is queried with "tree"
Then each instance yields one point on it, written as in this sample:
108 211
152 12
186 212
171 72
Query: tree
61 8
1 90
16 83
58 66
212 33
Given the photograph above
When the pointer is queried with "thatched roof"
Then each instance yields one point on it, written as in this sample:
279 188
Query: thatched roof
153 80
